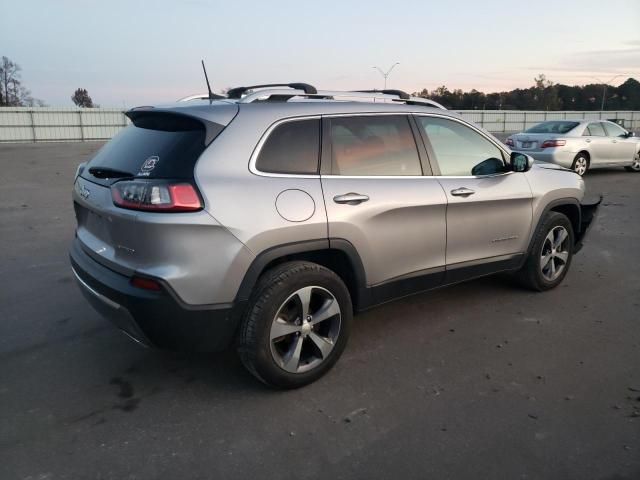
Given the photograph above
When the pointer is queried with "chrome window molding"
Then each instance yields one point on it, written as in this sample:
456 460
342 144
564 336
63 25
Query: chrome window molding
273 126
262 141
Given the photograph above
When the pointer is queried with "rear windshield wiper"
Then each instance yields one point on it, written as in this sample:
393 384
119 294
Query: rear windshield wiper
106 172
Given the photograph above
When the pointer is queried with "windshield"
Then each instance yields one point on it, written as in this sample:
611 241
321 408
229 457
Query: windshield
553 127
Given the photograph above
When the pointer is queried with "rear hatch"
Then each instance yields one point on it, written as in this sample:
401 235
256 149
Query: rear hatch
160 150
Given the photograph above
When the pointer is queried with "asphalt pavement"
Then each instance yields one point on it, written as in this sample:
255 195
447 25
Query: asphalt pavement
483 380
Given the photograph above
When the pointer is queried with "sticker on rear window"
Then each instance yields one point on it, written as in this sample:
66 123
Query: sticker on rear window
148 165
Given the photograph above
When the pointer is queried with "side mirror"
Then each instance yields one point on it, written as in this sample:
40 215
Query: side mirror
519 162
630 134
490 166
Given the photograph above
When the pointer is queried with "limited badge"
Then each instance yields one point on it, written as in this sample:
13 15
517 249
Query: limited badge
148 165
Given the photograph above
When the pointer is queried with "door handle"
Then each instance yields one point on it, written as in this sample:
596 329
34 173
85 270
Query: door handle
351 198
588 140
462 192
614 141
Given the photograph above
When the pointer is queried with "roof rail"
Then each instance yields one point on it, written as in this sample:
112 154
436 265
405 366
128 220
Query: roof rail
199 96
291 90
239 91
399 93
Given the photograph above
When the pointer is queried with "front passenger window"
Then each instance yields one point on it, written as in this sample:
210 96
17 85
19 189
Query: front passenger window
459 150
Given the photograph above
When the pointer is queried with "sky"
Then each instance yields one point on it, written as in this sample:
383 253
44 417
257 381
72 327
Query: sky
128 53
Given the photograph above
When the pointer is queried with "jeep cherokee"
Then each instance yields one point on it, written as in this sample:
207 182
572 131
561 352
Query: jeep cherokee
266 218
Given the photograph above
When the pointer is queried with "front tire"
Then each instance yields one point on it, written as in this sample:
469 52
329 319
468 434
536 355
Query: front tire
551 254
635 166
581 163
296 326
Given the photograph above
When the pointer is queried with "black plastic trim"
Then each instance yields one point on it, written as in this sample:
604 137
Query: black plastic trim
163 321
267 256
551 205
464 271
238 91
402 94
588 213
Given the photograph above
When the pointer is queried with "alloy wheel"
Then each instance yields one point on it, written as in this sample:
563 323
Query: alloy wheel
305 329
555 253
581 166
636 162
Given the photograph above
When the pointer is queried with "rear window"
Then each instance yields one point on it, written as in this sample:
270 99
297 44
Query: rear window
373 145
292 147
155 146
553 127
595 130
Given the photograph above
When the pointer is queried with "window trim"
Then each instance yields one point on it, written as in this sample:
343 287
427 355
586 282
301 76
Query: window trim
265 136
326 165
425 152
435 167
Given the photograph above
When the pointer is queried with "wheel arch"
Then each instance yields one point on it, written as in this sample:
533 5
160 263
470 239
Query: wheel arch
570 207
586 153
338 255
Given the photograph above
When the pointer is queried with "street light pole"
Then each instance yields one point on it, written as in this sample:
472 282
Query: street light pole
604 90
386 74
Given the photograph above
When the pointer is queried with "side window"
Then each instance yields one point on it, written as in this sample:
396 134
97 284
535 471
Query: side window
459 150
292 147
613 130
587 132
373 145
596 130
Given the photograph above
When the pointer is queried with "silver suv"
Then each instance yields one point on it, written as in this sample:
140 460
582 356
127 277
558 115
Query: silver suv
266 218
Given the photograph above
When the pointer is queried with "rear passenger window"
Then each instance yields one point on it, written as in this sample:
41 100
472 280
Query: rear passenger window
373 145
596 130
292 147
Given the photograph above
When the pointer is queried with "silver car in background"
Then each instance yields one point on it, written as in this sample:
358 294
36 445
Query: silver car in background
580 145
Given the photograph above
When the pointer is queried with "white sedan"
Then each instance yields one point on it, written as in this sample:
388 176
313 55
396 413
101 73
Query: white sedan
580 145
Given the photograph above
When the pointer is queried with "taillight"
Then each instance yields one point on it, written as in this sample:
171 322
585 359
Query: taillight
156 196
509 142
553 143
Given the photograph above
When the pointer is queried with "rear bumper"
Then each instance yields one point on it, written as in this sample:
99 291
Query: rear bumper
588 212
156 319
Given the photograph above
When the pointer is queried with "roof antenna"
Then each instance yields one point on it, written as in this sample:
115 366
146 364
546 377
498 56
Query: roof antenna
212 96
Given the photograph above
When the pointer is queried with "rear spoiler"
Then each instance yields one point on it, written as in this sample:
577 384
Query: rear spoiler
173 120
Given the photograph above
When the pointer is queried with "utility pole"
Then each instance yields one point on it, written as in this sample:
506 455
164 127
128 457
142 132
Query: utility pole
386 74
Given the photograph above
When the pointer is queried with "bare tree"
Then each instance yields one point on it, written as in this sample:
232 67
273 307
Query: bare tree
82 99
12 92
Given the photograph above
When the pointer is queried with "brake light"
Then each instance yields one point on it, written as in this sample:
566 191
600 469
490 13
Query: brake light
553 143
156 196
509 142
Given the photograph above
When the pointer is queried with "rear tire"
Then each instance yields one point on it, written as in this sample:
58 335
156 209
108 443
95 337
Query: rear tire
296 326
635 166
551 254
581 163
